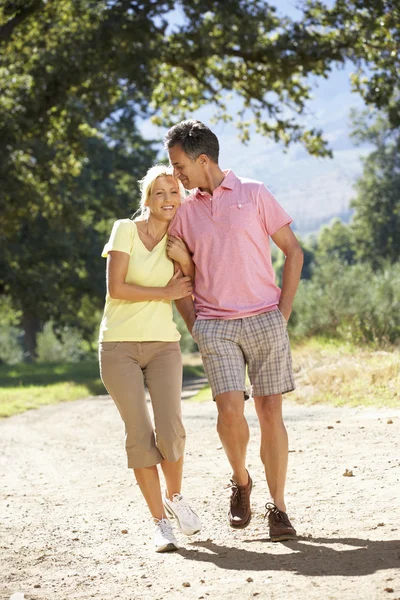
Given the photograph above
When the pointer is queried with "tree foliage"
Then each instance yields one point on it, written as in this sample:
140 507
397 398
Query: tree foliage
76 76
336 241
367 33
376 223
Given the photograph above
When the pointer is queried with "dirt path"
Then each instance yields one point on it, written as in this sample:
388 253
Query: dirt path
73 524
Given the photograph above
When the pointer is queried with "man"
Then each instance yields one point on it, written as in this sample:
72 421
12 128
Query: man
239 316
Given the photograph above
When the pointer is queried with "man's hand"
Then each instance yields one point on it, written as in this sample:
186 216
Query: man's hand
190 324
286 311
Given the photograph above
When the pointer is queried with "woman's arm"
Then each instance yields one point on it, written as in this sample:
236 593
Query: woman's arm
179 252
117 288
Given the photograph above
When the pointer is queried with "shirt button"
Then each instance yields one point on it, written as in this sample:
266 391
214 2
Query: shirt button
239 206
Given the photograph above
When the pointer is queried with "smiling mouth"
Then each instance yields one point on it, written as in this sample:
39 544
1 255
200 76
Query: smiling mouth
168 207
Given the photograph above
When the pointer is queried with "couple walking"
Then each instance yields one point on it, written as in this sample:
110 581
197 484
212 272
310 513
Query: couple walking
213 246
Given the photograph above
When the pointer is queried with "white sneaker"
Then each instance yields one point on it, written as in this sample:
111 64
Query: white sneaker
164 539
188 521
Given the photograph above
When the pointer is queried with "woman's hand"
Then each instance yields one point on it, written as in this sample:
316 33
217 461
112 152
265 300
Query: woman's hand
179 286
177 250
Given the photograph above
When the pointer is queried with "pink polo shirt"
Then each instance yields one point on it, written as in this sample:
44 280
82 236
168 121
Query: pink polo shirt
228 235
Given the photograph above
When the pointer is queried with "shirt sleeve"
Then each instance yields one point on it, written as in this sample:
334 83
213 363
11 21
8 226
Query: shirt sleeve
176 226
121 237
272 214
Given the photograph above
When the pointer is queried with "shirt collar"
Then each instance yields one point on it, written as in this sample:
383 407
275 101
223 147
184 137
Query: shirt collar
228 183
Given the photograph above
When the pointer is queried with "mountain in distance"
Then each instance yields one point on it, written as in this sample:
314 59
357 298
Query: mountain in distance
312 190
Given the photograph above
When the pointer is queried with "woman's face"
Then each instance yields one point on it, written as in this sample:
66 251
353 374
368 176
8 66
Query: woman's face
164 198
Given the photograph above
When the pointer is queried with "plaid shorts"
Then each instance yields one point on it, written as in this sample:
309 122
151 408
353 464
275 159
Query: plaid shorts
260 342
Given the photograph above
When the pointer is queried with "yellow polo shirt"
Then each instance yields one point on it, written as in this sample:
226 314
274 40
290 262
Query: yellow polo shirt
151 321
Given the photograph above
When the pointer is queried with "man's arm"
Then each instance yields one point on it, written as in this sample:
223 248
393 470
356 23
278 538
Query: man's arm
286 241
185 308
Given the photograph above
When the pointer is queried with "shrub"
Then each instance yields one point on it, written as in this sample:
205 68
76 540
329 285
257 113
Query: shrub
349 302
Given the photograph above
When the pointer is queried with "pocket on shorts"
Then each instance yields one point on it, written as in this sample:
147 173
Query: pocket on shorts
193 330
108 346
282 316
241 215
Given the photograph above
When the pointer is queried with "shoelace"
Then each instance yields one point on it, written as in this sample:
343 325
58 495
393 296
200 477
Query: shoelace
181 502
164 525
273 511
237 497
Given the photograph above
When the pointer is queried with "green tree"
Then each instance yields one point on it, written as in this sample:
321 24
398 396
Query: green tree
50 264
75 77
376 223
336 240
365 32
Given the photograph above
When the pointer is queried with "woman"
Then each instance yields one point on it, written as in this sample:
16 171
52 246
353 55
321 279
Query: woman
139 343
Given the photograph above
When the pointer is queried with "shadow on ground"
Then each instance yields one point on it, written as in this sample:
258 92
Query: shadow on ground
306 556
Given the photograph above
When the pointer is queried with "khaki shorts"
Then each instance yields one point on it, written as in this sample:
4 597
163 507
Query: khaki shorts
125 368
260 342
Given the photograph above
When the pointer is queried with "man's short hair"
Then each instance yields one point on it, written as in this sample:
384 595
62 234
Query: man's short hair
195 139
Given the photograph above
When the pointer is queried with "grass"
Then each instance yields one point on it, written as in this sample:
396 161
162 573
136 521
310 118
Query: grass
326 371
340 373
344 374
27 386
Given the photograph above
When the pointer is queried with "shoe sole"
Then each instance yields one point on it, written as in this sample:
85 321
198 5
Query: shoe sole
168 548
241 526
283 538
172 515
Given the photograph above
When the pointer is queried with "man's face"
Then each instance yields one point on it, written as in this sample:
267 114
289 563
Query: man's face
191 173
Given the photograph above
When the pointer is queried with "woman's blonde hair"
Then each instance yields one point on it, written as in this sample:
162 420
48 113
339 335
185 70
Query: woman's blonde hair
146 186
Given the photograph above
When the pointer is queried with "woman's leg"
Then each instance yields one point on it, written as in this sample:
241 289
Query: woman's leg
164 379
163 375
149 483
122 375
173 476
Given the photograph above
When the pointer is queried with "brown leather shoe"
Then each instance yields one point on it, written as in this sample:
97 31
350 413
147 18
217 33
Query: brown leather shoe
240 511
280 528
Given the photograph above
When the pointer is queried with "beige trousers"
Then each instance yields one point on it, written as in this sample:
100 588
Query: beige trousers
125 368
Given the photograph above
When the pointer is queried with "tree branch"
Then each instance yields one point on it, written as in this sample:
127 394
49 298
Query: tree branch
7 30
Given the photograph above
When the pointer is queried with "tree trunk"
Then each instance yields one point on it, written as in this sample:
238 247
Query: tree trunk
31 327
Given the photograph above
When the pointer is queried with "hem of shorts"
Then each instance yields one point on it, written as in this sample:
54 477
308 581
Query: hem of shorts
144 464
228 390
274 393
152 463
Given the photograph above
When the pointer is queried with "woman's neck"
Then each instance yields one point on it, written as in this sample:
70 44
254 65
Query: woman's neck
154 228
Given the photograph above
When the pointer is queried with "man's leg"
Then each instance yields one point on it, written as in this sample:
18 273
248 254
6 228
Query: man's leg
267 350
233 431
224 364
274 455
274 445
234 434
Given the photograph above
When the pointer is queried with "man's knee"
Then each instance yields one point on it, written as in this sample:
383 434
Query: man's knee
230 409
269 408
